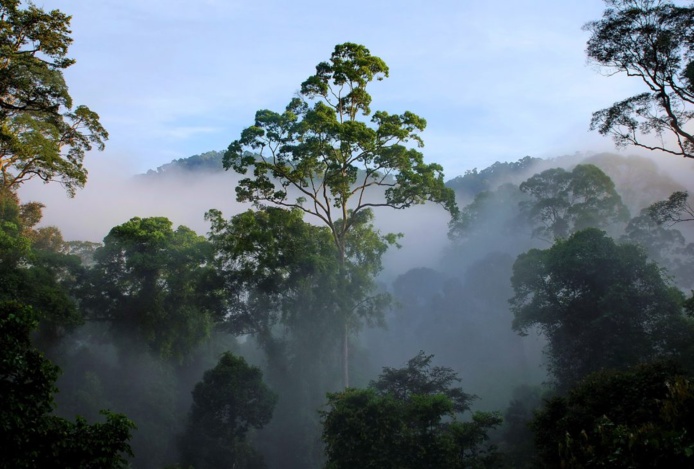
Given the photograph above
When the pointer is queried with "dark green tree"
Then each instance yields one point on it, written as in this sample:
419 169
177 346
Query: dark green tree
230 400
637 418
651 40
564 202
323 157
156 286
35 272
599 304
42 135
408 418
30 436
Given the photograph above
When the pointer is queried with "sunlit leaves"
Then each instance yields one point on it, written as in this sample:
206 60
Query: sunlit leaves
320 157
41 134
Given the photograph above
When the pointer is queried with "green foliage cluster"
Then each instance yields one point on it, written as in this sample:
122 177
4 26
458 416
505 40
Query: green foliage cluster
157 283
229 401
600 305
41 134
550 205
408 418
32 437
564 202
636 418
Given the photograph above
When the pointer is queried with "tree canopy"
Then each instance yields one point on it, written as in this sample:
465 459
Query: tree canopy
32 437
330 158
563 202
652 40
600 305
322 156
637 418
229 401
42 135
408 418
155 285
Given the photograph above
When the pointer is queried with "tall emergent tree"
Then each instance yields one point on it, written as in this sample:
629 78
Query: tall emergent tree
652 40
41 134
322 156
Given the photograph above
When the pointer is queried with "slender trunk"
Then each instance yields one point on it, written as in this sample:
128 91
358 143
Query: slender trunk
345 355
345 319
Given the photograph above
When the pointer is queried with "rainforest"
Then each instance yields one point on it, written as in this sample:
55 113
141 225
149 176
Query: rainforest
319 294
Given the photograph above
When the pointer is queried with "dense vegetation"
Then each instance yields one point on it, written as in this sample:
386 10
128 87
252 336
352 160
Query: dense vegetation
557 319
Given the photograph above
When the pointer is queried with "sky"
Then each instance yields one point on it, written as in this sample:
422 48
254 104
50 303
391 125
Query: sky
496 81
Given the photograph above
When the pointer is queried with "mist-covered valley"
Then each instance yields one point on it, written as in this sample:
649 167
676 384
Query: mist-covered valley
323 292
449 281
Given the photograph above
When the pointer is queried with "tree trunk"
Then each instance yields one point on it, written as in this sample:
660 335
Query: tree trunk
345 355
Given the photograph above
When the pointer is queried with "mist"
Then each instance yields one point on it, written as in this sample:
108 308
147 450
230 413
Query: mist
450 299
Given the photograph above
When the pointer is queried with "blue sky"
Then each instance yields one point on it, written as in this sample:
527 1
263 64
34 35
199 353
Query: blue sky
495 80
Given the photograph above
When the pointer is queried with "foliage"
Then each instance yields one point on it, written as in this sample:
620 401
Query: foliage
408 418
229 401
675 209
664 245
600 305
208 162
41 134
285 286
317 150
650 40
491 213
34 271
637 418
322 157
474 182
419 378
564 202
30 436
275 264
155 285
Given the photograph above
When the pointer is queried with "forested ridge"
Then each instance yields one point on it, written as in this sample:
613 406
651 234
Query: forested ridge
553 325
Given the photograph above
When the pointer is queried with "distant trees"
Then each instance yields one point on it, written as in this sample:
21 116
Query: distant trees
600 305
408 418
41 134
564 202
650 40
229 401
320 157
